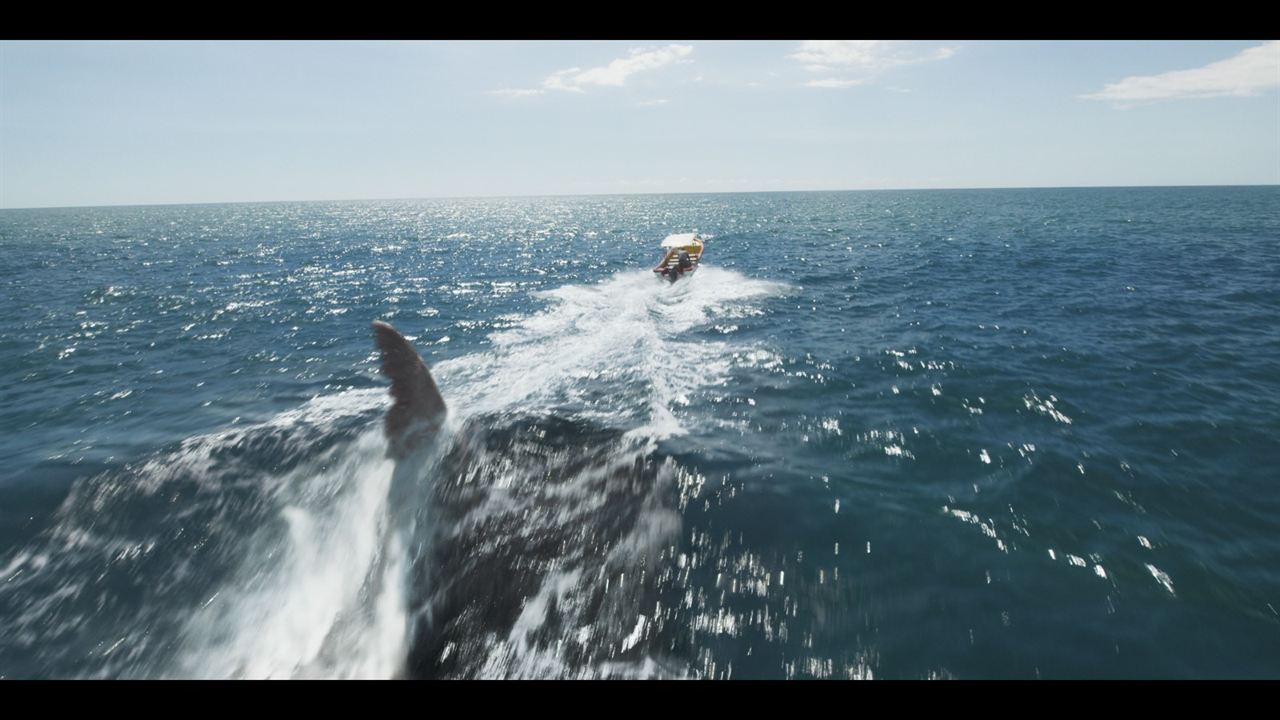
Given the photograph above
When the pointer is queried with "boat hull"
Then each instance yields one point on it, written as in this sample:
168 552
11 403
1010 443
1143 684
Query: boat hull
681 258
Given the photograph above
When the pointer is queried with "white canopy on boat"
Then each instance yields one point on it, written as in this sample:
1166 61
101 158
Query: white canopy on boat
680 240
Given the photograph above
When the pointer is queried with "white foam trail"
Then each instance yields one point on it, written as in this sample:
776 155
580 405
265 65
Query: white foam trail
327 598
626 330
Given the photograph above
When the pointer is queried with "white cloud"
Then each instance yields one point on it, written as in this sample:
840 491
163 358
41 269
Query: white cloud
517 92
862 58
835 83
639 59
1249 72
614 74
822 55
563 80
651 103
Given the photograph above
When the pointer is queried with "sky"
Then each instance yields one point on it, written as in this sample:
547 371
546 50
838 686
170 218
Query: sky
124 123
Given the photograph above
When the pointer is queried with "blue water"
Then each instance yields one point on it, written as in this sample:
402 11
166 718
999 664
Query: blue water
956 434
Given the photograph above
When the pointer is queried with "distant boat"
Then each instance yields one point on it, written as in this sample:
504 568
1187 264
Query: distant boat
682 253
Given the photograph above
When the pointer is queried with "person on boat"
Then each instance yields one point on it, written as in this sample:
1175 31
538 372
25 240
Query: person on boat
684 263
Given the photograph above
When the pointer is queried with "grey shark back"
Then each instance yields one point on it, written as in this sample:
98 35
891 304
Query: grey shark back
418 409
514 524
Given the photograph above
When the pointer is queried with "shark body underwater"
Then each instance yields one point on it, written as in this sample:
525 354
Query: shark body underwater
538 543
463 544
524 518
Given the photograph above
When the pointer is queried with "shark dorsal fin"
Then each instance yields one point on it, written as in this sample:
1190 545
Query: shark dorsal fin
418 405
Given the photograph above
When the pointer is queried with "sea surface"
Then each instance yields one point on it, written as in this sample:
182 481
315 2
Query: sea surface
897 434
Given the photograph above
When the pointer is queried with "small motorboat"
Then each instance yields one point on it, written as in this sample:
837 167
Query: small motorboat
681 255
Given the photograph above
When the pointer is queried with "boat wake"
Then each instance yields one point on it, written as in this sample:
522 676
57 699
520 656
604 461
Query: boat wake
535 538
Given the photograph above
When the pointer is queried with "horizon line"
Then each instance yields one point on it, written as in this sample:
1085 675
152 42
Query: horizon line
626 194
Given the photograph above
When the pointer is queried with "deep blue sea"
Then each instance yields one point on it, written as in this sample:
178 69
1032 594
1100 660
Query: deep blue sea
899 434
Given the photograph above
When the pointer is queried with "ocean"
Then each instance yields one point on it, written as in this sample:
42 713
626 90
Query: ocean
891 434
